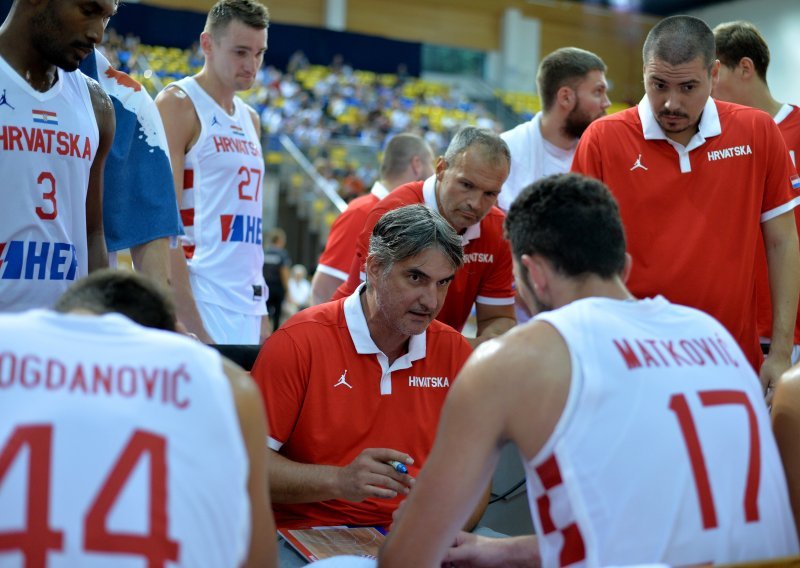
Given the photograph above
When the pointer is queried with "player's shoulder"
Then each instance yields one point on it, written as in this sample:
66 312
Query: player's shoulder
404 195
492 223
100 99
175 98
519 132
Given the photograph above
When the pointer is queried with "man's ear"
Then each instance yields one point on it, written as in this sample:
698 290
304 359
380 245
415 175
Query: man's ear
537 268
626 269
441 166
205 42
566 98
372 269
747 68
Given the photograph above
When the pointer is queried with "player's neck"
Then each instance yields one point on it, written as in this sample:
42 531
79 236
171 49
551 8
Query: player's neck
762 99
592 286
221 94
38 73
552 131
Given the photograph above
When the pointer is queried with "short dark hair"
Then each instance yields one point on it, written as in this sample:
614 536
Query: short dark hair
736 40
565 67
399 152
250 12
571 220
680 39
408 231
121 291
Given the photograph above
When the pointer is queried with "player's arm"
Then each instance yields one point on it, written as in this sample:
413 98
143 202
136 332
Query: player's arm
263 550
182 128
492 321
367 476
479 416
485 552
786 427
95 236
783 267
323 286
150 258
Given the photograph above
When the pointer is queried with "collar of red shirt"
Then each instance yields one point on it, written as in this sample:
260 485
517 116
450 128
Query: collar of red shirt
359 332
429 195
709 124
379 190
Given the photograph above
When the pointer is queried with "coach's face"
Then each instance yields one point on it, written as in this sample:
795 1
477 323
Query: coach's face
66 31
678 94
409 296
467 189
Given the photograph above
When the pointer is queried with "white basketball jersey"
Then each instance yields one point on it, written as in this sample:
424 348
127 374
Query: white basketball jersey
119 446
48 143
664 452
221 206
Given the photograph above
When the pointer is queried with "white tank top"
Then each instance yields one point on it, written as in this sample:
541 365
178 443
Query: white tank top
650 461
221 206
48 142
117 437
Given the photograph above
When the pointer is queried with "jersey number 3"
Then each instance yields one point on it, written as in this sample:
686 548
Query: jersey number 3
48 181
38 537
683 413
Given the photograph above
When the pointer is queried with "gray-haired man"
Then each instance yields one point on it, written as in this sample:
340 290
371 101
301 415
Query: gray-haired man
353 384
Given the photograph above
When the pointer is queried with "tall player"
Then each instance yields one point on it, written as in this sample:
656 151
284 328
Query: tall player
57 127
744 57
641 424
215 150
121 443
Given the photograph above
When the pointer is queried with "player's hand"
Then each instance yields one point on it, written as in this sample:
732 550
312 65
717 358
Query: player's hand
771 370
369 475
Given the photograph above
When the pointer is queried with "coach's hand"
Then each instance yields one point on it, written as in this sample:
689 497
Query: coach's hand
369 475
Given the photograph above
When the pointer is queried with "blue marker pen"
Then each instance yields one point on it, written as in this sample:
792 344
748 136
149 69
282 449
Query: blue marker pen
398 467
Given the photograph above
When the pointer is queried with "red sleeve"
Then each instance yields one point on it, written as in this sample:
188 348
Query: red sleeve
340 247
588 157
281 372
498 282
362 247
778 191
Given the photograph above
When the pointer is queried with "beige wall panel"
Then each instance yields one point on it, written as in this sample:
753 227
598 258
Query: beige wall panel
429 22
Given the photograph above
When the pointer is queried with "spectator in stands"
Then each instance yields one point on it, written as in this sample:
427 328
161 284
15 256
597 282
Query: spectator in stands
407 158
354 384
744 57
276 274
572 87
298 295
464 189
218 168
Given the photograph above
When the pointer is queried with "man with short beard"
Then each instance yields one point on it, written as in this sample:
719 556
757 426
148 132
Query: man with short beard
572 86
57 127
353 384
698 182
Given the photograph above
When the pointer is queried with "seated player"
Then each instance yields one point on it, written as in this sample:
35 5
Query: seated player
123 443
641 425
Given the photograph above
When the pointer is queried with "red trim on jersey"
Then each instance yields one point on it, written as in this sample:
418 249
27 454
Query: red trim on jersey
543 505
549 473
188 179
188 251
187 217
573 550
